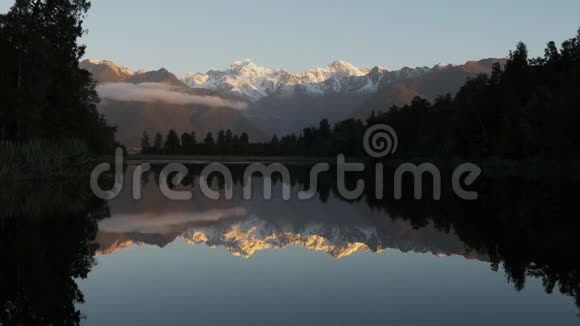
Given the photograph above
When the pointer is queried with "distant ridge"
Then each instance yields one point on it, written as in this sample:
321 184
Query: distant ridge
104 71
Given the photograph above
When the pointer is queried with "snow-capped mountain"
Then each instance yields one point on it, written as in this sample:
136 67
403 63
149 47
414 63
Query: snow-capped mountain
246 236
246 79
280 102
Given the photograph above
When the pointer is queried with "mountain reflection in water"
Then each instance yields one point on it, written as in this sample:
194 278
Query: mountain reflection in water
245 227
523 228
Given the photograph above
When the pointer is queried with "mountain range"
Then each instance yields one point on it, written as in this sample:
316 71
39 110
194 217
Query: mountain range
244 237
275 101
247 80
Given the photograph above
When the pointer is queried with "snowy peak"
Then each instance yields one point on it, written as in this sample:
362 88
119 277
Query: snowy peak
246 79
347 68
245 66
339 65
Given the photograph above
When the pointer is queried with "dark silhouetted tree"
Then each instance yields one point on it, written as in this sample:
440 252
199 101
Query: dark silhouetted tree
229 137
145 143
158 144
44 92
244 139
172 144
209 139
221 138
187 143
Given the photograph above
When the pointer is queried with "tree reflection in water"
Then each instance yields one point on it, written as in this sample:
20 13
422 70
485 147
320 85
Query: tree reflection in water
47 234
47 231
530 227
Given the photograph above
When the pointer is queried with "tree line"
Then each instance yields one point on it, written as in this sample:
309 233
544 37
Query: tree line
314 141
225 142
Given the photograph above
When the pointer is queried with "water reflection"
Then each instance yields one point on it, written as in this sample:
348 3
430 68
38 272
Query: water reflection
244 227
47 234
523 228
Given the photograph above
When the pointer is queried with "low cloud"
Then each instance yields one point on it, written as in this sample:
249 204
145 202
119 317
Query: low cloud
157 92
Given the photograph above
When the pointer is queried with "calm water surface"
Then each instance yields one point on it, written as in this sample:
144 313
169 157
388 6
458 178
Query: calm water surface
325 261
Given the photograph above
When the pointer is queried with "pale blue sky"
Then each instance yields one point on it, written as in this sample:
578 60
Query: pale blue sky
186 35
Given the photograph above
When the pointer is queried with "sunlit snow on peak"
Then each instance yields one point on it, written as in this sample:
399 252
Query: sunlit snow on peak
246 79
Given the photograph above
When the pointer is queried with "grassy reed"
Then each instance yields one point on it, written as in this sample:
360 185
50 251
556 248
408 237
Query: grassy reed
43 159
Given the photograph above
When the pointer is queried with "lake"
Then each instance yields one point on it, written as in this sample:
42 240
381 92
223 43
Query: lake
509 257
